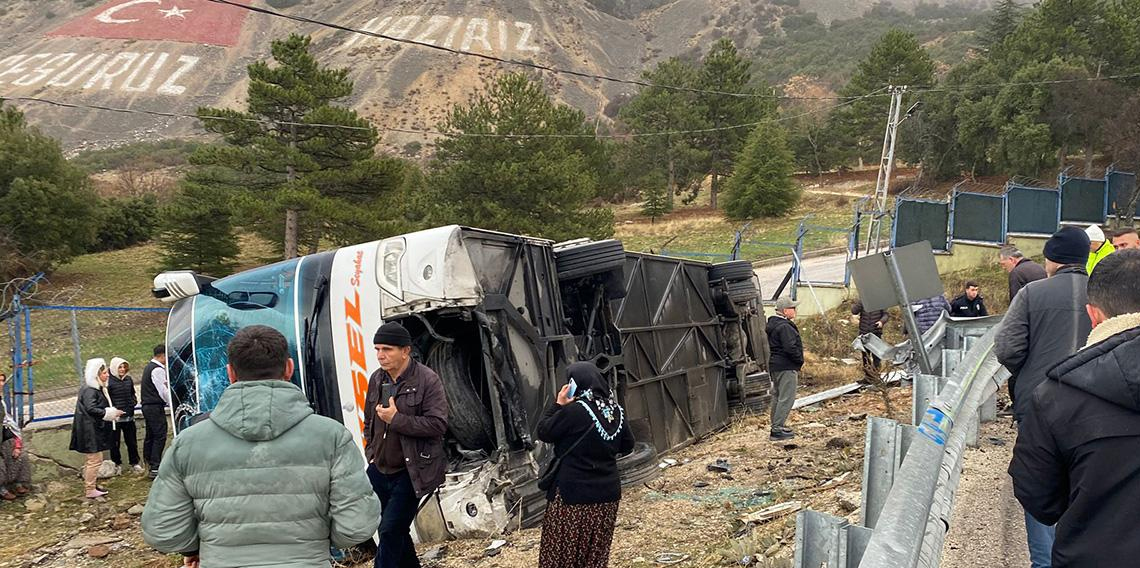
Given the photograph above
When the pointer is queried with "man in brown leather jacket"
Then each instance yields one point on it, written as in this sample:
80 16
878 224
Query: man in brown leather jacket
404 441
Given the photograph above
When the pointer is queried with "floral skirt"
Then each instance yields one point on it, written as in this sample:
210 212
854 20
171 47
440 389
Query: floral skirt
12 470
577 536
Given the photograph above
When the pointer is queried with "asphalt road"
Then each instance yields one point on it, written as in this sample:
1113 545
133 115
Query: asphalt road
829 269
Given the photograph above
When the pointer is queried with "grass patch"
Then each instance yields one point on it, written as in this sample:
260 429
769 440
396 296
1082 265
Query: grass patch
116 278
700 229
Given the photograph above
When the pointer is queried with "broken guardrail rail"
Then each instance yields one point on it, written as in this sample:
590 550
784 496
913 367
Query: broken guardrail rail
911 472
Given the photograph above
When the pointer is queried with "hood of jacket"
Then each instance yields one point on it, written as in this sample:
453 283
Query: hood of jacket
114 368
91 372
260 410
1107 368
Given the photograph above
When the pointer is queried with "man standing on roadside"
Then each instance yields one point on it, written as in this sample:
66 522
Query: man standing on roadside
155 400
404 441
1021 270
1046 323
264 481
785 362
871 322
1075 463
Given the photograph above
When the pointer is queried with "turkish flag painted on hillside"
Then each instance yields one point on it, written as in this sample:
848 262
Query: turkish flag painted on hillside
188 21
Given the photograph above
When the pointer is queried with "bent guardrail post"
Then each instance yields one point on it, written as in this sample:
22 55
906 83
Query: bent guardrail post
897 544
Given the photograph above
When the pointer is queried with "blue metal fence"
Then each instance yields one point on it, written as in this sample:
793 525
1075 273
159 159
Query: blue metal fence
20 394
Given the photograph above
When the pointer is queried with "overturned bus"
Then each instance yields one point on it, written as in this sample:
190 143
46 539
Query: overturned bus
499 317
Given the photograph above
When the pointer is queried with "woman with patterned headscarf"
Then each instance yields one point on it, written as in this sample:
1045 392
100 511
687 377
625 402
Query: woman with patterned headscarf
588 430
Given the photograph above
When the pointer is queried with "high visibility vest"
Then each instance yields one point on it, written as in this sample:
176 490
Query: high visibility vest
1097 255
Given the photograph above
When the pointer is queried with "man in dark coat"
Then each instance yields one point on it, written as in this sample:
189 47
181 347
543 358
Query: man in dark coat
871 322
1075 462
784 364
970 304
404 441
1046 323
1021 270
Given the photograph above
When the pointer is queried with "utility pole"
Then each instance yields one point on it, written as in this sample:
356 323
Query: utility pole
886 165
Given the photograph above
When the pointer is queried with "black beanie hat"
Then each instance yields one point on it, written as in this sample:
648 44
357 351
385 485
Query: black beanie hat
394 334
1070 245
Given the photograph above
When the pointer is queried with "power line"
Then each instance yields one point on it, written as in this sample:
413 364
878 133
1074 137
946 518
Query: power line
959 88
165 114
527 64
639 83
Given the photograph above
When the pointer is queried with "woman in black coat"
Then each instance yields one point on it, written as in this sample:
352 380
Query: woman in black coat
94 420
588 431
121 388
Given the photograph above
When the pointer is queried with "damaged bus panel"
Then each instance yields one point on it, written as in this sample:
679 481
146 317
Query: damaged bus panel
498 317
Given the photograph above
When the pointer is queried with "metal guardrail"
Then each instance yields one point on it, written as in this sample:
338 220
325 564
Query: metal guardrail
911 472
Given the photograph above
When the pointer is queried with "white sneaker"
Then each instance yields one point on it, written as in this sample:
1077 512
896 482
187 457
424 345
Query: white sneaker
138 469
118 469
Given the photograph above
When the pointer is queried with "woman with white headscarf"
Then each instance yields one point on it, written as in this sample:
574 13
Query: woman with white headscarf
94 422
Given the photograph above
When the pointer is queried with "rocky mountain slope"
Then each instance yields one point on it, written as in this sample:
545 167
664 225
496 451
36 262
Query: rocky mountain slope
172 56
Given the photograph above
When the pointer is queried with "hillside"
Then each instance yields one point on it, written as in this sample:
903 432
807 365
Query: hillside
174 56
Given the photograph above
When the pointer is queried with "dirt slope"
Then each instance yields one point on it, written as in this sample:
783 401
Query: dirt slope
176 55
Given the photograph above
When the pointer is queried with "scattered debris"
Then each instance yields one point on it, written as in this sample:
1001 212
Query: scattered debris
671 558
99 551
997 441
839 443
849 362
727 477
700 484
790 446
136 510
434 554
773 512
813 425
667 463
34 505
86 541
86 518
720 465
858 417
832 483
495 548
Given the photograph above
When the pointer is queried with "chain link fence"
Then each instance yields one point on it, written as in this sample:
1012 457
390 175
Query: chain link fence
49 344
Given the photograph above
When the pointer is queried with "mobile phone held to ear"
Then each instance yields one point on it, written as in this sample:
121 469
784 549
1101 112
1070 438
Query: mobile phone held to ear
387 391
573 389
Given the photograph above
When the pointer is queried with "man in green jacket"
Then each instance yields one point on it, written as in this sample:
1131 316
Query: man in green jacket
264 481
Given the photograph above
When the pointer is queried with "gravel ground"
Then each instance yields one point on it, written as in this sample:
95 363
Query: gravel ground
988 530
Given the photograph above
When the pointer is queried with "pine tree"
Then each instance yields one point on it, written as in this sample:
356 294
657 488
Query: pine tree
725 71
48 212
197 232
1007 14
677 157
896 60
305 165
538 186
655 202
762 184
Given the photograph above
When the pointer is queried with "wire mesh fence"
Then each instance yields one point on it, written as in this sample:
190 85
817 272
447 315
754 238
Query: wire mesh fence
48 345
